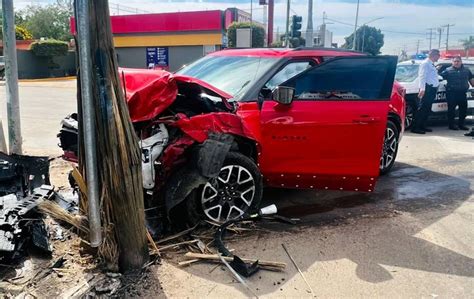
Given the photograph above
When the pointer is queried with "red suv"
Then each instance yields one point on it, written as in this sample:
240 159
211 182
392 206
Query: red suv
322 118
222 127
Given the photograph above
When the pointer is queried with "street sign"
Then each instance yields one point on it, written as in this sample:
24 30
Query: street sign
157 57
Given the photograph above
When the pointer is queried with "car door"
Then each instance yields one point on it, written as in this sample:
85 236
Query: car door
331 135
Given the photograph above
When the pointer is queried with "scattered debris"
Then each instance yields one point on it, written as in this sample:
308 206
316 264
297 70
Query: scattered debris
20 222
237 276
264 265
24 187
297 268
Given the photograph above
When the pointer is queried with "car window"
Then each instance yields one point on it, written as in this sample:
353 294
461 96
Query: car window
348 78
232 74
470 67
406 72
290 70
442 66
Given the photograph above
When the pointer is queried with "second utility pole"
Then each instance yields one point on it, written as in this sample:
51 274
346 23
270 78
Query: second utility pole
11 76
447 35
287 36
354 40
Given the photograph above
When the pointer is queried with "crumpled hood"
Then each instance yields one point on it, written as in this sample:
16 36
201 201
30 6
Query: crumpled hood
150 92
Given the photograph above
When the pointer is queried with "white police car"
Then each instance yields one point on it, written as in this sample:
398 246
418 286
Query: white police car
407 76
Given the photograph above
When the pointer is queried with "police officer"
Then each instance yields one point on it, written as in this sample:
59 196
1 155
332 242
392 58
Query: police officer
428 77
457 77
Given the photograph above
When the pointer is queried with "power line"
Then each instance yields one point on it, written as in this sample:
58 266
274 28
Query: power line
400 32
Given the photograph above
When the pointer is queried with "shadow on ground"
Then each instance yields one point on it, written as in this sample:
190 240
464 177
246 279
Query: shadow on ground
374 231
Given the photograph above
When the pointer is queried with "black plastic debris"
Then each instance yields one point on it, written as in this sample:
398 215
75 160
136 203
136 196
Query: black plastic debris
68 200
20 174
21 223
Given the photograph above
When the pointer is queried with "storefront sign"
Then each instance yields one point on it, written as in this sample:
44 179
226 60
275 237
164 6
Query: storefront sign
157 57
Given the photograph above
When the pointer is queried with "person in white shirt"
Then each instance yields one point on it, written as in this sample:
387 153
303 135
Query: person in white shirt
429 82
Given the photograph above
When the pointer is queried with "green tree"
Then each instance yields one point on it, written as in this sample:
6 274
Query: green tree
467 44
258 34
369 40
21 33
50 21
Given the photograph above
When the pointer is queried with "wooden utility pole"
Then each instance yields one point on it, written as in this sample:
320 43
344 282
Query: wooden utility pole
447 35
431 36
117 150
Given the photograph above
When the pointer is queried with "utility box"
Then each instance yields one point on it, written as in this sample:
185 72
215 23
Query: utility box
243 37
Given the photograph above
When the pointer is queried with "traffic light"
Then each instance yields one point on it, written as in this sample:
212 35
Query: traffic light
296 26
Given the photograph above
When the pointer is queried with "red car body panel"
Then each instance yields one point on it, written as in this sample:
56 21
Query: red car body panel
150 92
282 52
308 143
198 127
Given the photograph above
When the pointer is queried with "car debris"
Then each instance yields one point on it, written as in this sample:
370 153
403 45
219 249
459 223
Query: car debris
24 185
20 222
299 270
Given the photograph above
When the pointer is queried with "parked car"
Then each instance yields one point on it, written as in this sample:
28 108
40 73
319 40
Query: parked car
220 129
407 76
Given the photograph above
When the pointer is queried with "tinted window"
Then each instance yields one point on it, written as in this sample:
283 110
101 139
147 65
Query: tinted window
290 70
349 78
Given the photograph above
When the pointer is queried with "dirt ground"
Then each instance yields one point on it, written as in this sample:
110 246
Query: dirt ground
412 237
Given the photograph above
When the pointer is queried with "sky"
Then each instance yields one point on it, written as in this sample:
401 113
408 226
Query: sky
404 22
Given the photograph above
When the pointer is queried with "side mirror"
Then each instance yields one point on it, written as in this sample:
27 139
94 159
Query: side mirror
283 95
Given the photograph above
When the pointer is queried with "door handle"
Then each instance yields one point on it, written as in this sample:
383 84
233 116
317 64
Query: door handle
366 119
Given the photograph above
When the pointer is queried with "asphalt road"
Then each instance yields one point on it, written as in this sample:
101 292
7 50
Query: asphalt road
412 237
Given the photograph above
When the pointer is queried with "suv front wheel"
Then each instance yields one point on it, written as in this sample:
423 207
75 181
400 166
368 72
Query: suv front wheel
390 147
236 191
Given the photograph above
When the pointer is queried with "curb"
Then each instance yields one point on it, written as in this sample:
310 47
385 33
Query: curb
48 79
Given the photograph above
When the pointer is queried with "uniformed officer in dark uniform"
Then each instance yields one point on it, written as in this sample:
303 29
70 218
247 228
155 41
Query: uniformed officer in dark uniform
457 77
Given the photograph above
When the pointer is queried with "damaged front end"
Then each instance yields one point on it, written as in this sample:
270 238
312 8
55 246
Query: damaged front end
189 135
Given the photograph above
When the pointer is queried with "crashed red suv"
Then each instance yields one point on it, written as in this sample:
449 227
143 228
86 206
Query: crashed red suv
222 127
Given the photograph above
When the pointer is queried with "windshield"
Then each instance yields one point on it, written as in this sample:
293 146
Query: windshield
406 72
232 74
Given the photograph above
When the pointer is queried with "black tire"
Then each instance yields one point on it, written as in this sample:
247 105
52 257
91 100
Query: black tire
390 147
410 111
234 161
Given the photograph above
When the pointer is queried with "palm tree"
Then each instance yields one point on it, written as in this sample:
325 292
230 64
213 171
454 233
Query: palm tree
467 44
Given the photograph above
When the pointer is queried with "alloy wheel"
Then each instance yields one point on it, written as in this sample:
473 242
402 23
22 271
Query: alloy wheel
229 195
409 116
389 148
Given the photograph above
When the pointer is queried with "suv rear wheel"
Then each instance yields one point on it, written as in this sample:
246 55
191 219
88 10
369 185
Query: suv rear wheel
390 147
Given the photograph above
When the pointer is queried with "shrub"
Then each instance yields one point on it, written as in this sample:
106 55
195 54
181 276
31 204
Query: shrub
49 48
21 33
